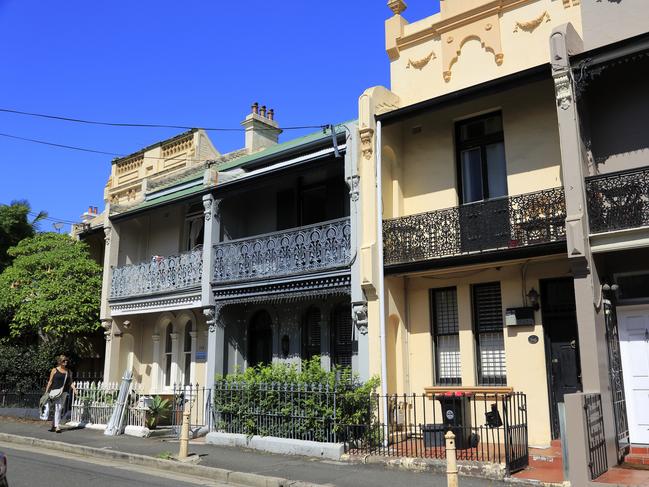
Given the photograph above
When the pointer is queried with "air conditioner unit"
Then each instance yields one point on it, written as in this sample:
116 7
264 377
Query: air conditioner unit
519 316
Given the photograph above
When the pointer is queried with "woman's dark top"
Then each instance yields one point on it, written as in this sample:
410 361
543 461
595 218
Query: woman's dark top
59 379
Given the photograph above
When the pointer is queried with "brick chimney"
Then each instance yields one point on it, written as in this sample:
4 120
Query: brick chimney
262 130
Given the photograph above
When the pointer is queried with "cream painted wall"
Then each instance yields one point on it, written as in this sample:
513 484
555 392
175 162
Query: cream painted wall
426 170
525 362
138 340
453 49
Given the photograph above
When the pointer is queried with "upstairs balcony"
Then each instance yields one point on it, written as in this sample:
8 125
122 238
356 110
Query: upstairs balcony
159 275
618 201
320 247
514 222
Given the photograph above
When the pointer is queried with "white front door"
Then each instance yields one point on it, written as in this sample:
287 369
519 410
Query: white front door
633 326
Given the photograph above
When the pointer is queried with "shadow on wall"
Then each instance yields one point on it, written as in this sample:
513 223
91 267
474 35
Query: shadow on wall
618 124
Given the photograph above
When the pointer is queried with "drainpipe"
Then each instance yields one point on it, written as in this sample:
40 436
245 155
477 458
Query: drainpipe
381 284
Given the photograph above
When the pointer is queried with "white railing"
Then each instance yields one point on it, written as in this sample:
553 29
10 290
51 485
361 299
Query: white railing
94 402
160 274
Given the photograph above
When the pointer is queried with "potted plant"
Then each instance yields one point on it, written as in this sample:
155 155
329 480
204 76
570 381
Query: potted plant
158 408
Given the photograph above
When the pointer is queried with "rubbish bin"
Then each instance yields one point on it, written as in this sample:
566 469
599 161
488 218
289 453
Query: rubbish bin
456 414
433 435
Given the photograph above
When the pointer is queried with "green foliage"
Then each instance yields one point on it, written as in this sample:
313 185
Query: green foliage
158 409
290 402
14 226
25 368
51 290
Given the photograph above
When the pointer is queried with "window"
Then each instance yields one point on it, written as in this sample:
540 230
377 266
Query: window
168 356
187 351
194 231
446 337
311 333
488 323
481 158
342 337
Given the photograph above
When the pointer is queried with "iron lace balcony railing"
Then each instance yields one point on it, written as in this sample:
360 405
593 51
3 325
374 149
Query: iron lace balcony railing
502 223
618 201
318 247
161 274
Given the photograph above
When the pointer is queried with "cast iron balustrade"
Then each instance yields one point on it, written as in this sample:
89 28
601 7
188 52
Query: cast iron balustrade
618 200
160 274
306 249
502 223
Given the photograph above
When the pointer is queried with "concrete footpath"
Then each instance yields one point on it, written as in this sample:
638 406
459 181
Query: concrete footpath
232 465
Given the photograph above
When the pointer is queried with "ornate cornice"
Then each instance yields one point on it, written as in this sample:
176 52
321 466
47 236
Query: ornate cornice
286 291
156 304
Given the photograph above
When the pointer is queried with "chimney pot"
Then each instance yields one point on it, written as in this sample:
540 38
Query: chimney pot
90 209
262 111
255 108
271 114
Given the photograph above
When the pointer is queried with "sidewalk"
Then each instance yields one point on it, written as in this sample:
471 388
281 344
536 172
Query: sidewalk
294 468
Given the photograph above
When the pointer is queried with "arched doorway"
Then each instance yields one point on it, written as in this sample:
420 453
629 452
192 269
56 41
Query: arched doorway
260 339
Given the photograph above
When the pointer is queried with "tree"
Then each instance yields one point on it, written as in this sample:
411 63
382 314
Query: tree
15 226
51 290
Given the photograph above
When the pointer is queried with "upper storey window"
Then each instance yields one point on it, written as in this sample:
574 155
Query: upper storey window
481 158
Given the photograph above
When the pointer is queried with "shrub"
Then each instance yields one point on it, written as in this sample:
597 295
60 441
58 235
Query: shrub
288 401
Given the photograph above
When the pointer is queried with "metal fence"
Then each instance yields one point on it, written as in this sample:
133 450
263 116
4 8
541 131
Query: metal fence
488 427
94 403
594 417
198 399
23 396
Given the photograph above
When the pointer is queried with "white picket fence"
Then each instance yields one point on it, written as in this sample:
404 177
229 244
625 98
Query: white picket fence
94 402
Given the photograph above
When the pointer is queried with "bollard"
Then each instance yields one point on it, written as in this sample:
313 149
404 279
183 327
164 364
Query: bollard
451 460
184 434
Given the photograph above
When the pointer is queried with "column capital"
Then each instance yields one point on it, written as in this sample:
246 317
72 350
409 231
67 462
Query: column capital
155 338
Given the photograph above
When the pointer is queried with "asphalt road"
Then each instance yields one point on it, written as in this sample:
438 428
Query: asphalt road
39 468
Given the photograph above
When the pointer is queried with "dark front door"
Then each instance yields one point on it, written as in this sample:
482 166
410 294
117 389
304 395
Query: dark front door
260 339
562 345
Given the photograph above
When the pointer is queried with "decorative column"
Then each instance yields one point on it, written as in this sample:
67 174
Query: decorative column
155 364
215 344
175 369
360 361
111 240
593 352
192 367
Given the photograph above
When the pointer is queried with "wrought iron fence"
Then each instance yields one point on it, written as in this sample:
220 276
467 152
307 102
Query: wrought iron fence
94 403
198 399
160 274
298 411
305 249
503 223
594 417
618 200
24 395
487 427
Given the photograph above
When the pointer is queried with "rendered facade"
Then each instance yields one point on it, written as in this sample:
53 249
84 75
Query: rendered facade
482 226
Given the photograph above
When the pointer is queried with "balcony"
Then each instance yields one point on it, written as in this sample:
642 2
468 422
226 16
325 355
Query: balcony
618 201
320 247
161 274
505 223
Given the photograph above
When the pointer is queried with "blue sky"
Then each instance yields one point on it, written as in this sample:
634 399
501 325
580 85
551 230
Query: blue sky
168 62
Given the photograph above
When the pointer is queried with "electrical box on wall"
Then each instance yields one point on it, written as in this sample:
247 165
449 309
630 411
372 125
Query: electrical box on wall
519 316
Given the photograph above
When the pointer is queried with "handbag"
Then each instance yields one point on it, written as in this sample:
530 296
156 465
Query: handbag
56 393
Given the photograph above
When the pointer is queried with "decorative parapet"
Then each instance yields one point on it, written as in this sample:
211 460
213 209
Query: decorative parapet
503 223
161 274
319 247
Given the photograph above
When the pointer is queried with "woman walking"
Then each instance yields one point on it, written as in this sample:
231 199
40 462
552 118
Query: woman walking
58 387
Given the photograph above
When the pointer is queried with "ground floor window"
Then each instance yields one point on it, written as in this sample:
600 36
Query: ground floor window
260 339
342 344
311 332
446 336
488 325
